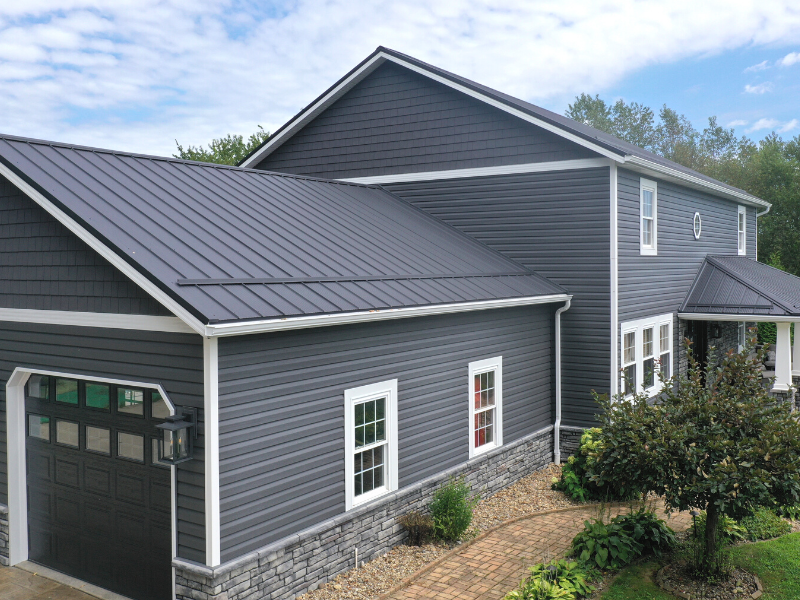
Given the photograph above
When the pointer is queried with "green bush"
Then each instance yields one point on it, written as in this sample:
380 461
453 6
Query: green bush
767 333
729 530
647 529
419 527
539 590
568 575
451 509
789 512
764 524
605 545
575 481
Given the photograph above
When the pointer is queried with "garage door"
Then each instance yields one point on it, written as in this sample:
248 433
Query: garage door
98 505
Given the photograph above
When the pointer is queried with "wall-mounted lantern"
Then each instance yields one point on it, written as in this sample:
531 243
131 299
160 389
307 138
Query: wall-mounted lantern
716 331
177 435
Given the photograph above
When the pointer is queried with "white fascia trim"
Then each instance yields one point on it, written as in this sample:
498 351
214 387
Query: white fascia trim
738 318
103 250
91 319
614 259
269 325
557 165
17 472
655 169
379 59
211 441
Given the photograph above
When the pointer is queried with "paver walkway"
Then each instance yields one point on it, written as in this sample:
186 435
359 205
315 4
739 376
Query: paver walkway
18 584
495 562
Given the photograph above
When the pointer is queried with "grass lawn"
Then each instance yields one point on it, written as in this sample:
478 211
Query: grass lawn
777 564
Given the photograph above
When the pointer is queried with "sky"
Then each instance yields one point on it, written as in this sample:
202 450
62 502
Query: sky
136 75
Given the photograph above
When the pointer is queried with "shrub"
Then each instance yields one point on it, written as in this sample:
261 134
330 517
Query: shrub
451 509
568 575
764 524
575 481
789 512
605 545
728 529
540 589
647 529
419 527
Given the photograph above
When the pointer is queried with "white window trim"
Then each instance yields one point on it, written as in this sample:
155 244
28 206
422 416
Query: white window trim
743 246
648 184
481 366
638 327
351 398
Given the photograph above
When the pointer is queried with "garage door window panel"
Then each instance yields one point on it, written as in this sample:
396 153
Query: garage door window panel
67 391
130 446
68 433
39 427
98 439
130 401
39 387
98 396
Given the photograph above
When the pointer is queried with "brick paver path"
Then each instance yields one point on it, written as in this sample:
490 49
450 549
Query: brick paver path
495 562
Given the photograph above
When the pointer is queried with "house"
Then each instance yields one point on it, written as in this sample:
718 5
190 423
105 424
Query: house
417 277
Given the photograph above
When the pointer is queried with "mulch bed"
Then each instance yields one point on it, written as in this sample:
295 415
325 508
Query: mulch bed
676 579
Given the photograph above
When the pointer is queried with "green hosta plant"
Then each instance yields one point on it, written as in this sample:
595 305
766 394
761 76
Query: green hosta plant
647 529
568 575
729 530
605 545
539 589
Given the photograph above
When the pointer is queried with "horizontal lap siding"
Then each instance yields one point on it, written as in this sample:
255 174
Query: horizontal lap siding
173 360
556 224
282 408
397 121
653 285
44 266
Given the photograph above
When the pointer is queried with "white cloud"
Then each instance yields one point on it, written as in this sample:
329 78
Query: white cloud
790 59
789 126
135 74
736 123
774 125
761 88
759 67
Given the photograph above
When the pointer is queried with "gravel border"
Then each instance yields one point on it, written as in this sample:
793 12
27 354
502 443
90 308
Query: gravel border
530 495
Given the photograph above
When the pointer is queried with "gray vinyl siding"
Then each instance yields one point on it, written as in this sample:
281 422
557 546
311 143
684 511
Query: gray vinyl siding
44 266
174 360
397 121
282 408
555 223
653 285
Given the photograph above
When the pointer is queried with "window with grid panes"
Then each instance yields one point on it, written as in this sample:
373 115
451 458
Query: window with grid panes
485 405
648 211
648 359
665 356
646 350
629 363
484 408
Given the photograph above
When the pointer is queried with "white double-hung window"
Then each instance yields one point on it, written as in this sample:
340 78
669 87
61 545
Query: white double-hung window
485 405
646 352
370 421
742 231
648 217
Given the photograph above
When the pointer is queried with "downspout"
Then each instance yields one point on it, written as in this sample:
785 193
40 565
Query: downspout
557 426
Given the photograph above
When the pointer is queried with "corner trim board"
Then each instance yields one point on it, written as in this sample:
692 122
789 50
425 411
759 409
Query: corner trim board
268 325
211 441
614 268
103 250
559 165
92 319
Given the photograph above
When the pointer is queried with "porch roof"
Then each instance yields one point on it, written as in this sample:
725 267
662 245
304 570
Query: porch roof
737 288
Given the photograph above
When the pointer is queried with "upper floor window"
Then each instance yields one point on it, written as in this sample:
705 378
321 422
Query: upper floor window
646 352
742 230
371 441
648 211
485 405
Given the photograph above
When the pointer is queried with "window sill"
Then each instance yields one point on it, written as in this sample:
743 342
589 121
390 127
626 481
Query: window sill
369 497
483 449
648 252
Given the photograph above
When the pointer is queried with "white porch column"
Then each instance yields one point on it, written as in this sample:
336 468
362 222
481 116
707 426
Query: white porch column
783 358
796 351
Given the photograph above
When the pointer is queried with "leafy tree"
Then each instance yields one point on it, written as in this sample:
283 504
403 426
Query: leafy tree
228 150
723 445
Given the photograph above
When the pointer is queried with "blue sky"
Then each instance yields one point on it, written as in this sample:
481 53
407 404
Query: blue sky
138 74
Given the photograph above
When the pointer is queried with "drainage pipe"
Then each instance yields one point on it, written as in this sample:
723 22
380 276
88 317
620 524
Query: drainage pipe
557 426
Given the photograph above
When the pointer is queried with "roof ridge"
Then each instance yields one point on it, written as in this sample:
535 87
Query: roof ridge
173 159
713 260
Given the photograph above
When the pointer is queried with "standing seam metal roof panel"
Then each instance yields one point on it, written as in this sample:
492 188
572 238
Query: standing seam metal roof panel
233 244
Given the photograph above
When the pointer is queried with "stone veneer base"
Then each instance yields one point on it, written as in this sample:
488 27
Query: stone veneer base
3 535
305 560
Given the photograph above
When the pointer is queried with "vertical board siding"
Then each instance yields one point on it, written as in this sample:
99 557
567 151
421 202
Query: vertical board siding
45 266
654 285
397 121
556 224
282 408
173 360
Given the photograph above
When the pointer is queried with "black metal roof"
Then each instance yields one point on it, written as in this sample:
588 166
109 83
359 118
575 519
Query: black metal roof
235 244
737 285
590 134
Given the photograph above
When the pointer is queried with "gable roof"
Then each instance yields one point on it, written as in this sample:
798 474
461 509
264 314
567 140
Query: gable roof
604 144
221 245
737 285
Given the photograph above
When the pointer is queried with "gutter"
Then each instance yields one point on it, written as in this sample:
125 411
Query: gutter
557 424
283 324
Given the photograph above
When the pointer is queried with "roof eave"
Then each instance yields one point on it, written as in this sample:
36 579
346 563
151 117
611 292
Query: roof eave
349 318
691 316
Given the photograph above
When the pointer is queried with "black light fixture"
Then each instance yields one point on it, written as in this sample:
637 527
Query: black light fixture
715 331
176 440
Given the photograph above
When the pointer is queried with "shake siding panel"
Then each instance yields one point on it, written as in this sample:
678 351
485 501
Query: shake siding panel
558 225
398 121
282 408
172 359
